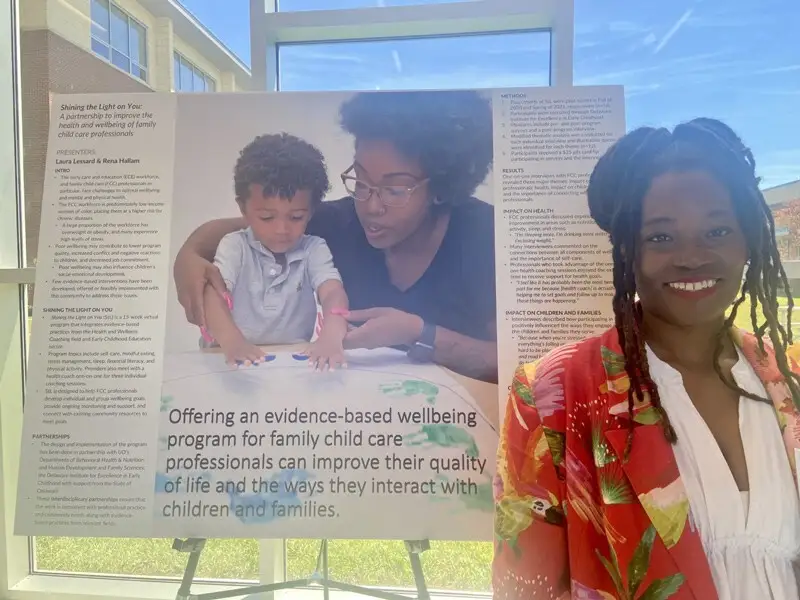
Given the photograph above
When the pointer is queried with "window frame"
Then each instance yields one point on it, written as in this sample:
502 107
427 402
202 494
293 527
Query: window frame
459 36
182 60
130 23
269 28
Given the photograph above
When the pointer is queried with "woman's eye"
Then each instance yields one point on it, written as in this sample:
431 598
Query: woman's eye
396 190
659 238
719 232
266 218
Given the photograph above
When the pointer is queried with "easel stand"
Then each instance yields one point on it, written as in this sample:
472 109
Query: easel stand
194 546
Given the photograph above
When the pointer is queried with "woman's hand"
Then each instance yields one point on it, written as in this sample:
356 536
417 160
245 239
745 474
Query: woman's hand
192 273
381 328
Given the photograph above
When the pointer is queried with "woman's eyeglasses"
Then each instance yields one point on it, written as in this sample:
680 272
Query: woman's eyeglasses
389 194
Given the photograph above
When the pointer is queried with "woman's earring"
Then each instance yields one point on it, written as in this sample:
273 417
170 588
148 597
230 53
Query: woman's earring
437 201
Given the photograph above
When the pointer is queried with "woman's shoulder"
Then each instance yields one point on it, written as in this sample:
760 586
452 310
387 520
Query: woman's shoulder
563 380
471 230
571 369
577 357
472 211
765 363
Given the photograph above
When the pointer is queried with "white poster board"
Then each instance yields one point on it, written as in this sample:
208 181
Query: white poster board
135 429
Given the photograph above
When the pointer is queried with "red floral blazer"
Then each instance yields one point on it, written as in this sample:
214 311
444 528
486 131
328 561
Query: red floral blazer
574 520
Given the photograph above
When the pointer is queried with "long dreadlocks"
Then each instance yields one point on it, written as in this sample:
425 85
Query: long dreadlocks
616 191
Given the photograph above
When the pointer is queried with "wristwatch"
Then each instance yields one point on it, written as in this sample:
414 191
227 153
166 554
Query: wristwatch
422 350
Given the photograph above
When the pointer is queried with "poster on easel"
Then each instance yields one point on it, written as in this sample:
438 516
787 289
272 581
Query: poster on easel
281 315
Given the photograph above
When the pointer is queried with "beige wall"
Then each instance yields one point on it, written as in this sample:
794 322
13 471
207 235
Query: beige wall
70 19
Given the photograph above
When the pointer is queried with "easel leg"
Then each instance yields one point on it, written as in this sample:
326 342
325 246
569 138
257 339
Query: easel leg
415 548
326 591
194 546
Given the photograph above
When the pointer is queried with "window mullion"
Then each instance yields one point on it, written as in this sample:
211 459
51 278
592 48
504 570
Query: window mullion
130 51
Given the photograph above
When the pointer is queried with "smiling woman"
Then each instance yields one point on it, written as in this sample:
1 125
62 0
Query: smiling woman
692 412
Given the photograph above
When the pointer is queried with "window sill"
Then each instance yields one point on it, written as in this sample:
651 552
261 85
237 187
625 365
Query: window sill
68 587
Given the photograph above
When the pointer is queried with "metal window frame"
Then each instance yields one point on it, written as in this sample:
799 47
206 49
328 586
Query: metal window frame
130 20
195 72
460 36
269 28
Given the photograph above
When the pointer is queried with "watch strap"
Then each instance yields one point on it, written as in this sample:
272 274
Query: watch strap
422 350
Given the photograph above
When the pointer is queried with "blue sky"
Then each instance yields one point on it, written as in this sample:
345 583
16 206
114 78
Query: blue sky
736 60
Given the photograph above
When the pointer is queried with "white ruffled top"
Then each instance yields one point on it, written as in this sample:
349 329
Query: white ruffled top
752 539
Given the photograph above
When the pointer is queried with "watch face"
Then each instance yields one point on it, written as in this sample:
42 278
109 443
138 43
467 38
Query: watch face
421 352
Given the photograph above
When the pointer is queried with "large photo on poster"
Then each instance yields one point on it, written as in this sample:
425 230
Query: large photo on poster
296 315
363 222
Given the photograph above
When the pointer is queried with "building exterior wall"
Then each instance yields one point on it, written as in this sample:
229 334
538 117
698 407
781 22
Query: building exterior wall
71 20
66 18
163 36
55 48
54 65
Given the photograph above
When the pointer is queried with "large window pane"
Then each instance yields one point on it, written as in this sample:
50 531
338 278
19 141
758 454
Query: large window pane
461 566
101 49
120 38
294 5
222 559
138 44
199 82
120 60
52 64
176 72
139 72
230 559
100 20
186 77
494 60
734 60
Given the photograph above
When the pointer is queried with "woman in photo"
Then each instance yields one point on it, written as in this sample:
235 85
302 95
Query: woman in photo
413 246
659 459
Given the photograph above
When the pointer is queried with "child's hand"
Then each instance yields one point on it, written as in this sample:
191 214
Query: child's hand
242 353
326 353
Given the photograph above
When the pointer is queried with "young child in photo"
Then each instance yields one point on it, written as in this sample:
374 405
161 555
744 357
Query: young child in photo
273 271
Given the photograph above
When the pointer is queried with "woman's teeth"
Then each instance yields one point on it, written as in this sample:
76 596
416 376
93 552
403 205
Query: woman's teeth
694 286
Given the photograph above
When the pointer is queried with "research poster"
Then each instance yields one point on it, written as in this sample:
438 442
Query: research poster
282 315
